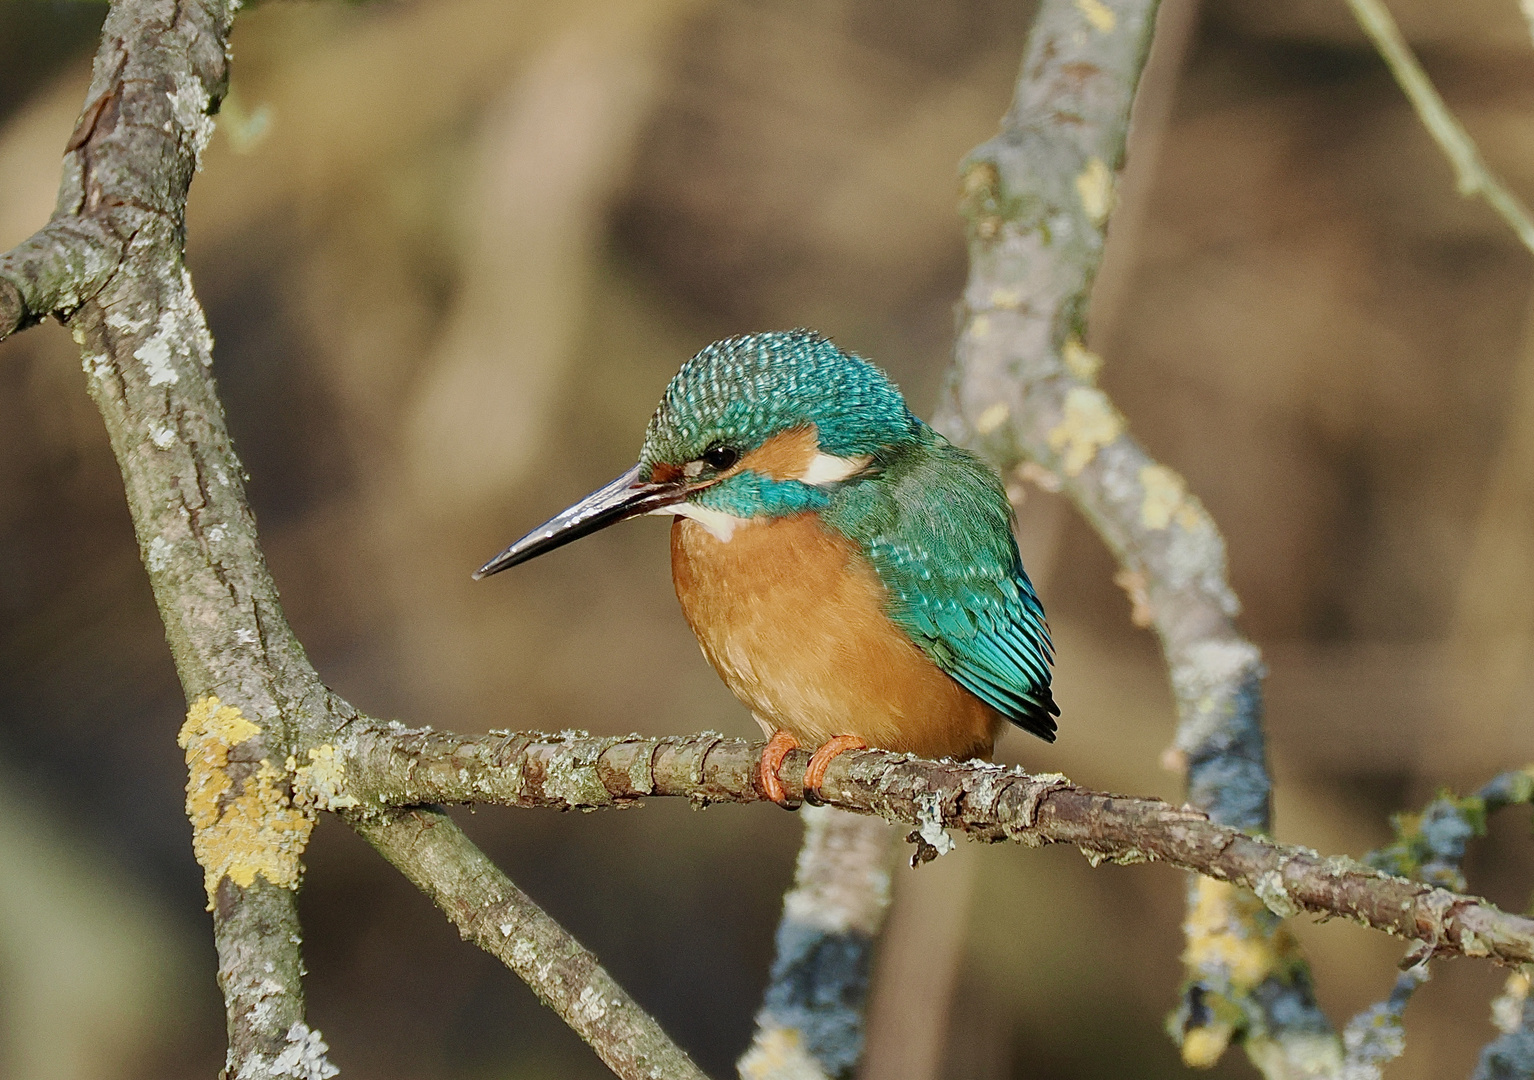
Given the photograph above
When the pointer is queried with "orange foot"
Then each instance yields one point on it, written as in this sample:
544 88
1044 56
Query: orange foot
820 761
777 748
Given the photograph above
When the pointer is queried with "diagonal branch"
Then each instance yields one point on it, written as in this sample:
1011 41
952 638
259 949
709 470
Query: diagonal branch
429 849
382 767
1471 174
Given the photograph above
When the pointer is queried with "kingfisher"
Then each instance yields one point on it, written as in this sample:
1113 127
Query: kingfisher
850 573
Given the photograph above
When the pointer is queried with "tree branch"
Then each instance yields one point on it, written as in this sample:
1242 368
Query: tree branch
1037 199
811 1022
384 768
430 850
110 265
1471 174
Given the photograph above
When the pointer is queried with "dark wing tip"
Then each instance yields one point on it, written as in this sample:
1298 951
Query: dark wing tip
1039 718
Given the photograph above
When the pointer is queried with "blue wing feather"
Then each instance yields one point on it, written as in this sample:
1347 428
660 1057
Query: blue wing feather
937 528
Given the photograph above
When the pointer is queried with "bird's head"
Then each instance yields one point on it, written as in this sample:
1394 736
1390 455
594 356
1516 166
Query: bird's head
761 425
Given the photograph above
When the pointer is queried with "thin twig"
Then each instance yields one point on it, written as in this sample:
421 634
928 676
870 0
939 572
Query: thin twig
385 768
1471 175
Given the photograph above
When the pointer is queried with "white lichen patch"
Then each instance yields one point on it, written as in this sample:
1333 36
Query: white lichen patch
122 322
304 1057
929 824
779 1054
1205 680
321 783
1094 184
1271 891
245 832
158 353
1090 423
180 333
162 437
571 774
157 558
841 881
992 418
1099 14
189 104
591 1006
523 954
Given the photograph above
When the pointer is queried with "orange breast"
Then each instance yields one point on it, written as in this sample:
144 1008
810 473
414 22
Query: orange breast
793 619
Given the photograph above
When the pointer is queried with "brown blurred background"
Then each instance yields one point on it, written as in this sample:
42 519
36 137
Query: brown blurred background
452 250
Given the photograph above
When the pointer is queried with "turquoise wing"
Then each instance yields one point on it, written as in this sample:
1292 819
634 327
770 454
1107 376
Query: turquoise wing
937 528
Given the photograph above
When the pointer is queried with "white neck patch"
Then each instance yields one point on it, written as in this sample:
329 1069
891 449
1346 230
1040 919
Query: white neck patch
826 469
717 522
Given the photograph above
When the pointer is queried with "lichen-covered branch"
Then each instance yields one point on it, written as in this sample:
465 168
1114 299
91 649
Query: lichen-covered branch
1471 174
430 850
110 266
1038 198
811 1022
389 767
1430 847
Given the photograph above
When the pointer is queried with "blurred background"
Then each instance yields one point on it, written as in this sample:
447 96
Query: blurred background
452 250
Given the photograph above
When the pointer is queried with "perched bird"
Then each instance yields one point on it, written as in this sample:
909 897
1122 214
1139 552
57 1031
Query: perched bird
849 572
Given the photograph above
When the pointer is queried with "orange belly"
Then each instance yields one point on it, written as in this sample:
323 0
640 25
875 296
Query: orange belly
793 619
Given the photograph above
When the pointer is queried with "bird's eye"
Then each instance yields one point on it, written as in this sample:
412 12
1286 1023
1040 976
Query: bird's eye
720 458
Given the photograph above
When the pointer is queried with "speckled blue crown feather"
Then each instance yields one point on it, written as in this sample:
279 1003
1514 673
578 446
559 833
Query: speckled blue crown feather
742 390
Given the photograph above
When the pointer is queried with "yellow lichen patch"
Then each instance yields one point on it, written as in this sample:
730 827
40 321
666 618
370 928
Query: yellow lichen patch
993 417
1224 932
1164 493
1234 944
1098 14
1507 1007
1090 423
321 783
1135 585
1081 361
1202 1046
238 834
779 1054
1095 183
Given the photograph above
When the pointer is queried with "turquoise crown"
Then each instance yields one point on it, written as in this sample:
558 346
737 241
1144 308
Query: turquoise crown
741 391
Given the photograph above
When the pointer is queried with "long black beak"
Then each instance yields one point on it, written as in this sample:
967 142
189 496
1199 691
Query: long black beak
626 497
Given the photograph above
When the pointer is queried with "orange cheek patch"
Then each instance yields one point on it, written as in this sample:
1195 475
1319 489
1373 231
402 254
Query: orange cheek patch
785 456
663 473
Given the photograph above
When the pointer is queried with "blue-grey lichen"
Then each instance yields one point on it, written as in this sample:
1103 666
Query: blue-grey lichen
1510 1056
810 1026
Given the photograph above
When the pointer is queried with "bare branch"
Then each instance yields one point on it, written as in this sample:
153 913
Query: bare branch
430 850
386 767
1471 174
